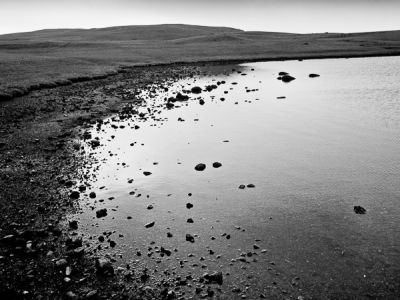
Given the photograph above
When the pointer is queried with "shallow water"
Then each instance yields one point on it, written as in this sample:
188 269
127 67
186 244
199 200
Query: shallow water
331 144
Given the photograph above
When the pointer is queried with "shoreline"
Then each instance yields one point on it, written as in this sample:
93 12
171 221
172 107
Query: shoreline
38 159
16 92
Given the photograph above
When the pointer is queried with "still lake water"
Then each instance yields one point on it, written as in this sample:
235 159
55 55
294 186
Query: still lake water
331 144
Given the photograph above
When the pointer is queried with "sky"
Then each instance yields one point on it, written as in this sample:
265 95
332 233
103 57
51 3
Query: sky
300 16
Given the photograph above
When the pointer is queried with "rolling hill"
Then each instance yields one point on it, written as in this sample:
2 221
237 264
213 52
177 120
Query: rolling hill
46 58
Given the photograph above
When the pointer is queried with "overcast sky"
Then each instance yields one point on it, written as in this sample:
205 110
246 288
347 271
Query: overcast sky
267 15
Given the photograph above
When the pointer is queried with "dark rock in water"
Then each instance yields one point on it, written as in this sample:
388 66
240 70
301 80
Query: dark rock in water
167 252
180 97
150 206
209 88
359 210
101 213
200 167
74 195
190 220
281 97
313 75
95 143
189 238
217 165
201 101
104 267
113 244
169 234
287 78
251 185
73 224
170 105
151 224
283 73
196 90
215 277
242 186
92 195
147 173
189 205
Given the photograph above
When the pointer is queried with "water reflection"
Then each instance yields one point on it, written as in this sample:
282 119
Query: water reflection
330 144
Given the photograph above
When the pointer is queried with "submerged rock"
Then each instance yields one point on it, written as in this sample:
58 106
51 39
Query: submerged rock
313 75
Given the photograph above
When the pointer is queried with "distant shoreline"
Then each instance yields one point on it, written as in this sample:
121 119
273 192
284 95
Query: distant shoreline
22 91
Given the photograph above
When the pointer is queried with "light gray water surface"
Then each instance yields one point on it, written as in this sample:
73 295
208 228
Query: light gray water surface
331 144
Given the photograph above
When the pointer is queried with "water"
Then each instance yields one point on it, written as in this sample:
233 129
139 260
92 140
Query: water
331 144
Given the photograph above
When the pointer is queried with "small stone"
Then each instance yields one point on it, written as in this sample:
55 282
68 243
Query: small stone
71 295
215 277
313 75
150 207
189 205
200 167
189 238
147 173
190 220
287 78
92 195
151 224
74 195
73 224
61 263
242 186
91 295
217 165
251 185
196 90
104 267
68 271
359 210
101 213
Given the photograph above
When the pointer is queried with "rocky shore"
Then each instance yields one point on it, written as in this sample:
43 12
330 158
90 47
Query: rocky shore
41 255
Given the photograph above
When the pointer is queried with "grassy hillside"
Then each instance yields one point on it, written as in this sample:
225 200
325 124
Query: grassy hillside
50 57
